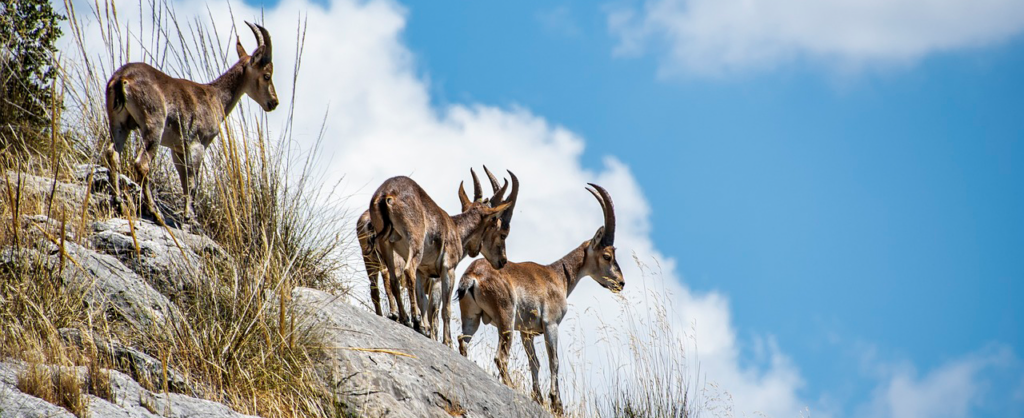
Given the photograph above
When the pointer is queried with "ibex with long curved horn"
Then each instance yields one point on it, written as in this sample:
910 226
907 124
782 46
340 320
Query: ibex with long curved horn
180 114
417 240
531 298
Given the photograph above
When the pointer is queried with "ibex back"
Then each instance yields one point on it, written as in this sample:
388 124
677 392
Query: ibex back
180 114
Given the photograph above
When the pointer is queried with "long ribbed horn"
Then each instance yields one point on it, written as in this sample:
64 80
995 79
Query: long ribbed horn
499 193
478 193
506 218
257 33
268 53
494 180
608 207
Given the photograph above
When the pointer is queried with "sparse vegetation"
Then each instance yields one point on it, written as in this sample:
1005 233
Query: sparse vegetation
239 341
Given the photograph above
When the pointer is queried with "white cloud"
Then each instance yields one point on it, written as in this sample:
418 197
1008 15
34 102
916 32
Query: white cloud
951 390
380 123
716 37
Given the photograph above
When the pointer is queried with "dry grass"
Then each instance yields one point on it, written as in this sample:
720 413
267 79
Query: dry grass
60 386
239 341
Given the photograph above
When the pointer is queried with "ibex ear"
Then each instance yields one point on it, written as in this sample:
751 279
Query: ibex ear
240 49
596 242
257 56
497 210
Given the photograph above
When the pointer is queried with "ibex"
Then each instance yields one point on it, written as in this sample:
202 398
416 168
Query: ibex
180 114
375 265
531 298
417 240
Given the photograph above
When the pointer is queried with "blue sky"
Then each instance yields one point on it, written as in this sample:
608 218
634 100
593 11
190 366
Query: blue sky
880 208
861 206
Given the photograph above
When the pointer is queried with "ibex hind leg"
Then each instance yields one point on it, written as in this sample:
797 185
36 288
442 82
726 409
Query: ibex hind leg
414 308
143 163
120 128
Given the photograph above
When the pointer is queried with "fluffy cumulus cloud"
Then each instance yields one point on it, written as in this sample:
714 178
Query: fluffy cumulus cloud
715 37
952 390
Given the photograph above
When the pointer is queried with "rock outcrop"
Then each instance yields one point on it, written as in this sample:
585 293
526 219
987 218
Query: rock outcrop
133 273
392 371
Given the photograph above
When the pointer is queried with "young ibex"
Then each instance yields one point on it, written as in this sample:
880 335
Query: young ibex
417 240
531 298
180 114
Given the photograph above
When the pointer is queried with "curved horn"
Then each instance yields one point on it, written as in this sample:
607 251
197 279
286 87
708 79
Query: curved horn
268 53
478 194
494 181
506 217
499 193
605 199
257 33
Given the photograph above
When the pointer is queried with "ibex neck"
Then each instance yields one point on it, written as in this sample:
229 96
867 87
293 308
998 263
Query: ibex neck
465 224
229 86
570 267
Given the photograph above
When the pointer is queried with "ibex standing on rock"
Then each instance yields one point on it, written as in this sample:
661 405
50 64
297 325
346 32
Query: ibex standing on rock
417 240
531 298
180 114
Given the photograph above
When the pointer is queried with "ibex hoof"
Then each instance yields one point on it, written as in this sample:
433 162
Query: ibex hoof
392 316
537 398
117 203
556 405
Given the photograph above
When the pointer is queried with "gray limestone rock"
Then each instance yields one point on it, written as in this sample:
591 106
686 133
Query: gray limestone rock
170 259
433 381
130 400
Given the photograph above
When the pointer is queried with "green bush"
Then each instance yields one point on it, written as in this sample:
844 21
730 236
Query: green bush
29 30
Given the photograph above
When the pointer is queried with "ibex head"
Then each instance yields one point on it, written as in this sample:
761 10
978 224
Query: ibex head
496 211
600 257
259 68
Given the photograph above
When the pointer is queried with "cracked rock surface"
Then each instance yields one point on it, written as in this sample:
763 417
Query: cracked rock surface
433 381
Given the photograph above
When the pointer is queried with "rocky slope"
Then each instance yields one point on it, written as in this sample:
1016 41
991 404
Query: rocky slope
383 369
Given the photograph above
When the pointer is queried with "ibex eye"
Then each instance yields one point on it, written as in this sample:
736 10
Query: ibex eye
266 77
607 257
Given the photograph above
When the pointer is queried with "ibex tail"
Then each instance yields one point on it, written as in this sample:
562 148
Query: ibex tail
380 217
116 88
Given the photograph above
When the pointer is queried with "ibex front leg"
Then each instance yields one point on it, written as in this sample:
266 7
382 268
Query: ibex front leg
188 164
